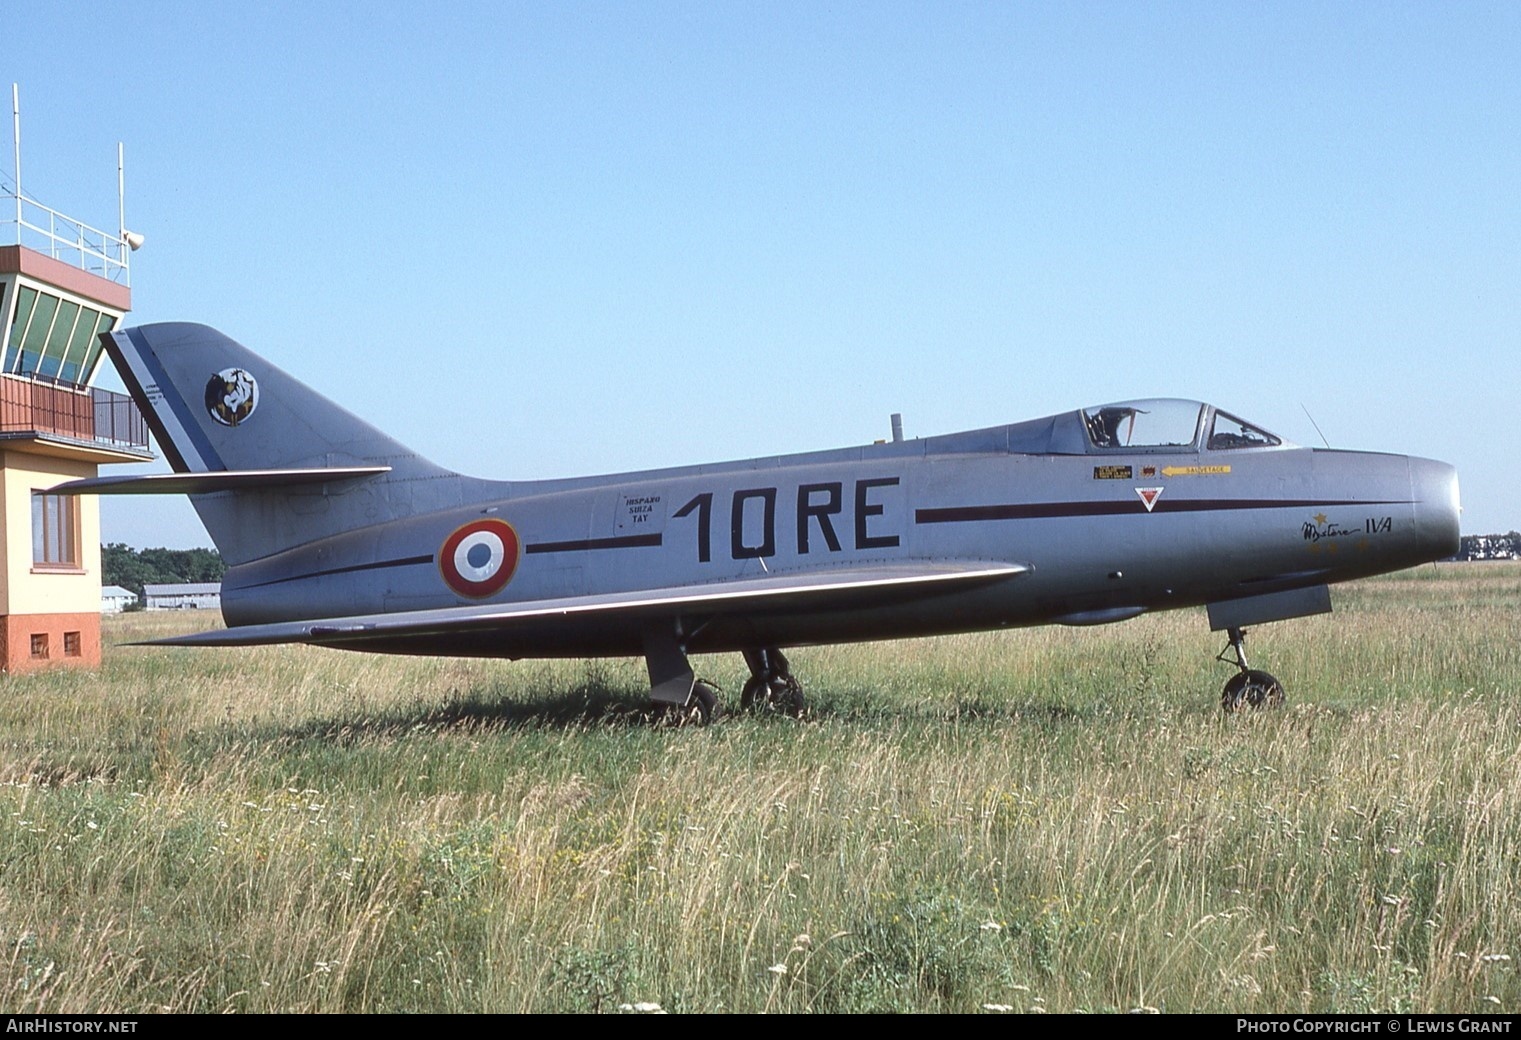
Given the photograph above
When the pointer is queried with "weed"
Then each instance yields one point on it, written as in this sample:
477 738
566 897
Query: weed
593 981
1050 818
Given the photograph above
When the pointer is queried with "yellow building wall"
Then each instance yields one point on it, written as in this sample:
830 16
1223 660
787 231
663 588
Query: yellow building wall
29 590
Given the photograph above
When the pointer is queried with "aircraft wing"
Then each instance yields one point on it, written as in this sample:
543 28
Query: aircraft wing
217 480
834 589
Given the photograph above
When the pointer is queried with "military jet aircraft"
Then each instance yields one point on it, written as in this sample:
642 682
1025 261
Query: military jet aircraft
336 535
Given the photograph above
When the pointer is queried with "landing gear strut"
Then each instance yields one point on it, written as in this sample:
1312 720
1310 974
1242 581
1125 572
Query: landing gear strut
771 685
1249 687
675 693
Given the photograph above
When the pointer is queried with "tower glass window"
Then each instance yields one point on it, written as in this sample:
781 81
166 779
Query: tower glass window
54 339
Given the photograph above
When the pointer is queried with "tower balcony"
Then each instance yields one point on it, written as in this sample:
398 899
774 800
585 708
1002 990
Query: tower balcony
84 423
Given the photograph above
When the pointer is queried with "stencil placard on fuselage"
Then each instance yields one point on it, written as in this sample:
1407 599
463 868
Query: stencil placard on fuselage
641 514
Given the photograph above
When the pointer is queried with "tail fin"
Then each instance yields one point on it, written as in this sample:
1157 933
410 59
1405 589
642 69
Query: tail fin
216 407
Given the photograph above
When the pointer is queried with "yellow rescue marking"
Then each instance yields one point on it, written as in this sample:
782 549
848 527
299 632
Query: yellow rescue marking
1194 471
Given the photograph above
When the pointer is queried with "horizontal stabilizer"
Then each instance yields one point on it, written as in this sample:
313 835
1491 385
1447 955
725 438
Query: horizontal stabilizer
831 590
217 480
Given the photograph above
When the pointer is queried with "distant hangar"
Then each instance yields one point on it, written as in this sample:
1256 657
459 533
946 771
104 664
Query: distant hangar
205 595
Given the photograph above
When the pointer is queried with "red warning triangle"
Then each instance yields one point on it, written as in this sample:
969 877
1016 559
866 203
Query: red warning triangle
1149 496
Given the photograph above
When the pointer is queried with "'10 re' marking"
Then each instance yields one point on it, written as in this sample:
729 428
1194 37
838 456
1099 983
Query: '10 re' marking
816 505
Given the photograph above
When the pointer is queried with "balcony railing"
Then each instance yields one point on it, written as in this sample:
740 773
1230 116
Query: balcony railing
98 417
118 422
25 222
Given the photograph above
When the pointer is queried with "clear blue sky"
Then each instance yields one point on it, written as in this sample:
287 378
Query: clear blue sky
552 239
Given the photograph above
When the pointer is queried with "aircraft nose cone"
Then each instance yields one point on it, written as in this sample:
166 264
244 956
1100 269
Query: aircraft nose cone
1434 487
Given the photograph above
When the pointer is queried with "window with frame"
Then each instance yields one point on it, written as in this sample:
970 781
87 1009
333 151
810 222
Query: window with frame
55 531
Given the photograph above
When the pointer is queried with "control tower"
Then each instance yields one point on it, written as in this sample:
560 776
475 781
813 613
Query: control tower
62 284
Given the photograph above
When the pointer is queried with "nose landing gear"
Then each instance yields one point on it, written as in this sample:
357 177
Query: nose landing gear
1249 688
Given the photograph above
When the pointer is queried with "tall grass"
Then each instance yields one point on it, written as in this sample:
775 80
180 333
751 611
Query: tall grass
1036 820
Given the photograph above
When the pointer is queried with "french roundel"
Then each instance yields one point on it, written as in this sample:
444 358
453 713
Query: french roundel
478 559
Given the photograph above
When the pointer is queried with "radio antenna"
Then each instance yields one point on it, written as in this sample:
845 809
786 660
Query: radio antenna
1315 424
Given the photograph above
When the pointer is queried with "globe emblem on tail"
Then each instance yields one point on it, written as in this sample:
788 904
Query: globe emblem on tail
231 396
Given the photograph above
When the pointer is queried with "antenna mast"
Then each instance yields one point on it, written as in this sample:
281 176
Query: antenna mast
16 141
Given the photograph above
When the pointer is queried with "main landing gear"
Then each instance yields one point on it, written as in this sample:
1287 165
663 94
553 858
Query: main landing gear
675 693
700 709
772 686
1249 688
678 696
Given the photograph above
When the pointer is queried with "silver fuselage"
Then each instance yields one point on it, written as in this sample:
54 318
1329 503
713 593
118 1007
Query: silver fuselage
1106 534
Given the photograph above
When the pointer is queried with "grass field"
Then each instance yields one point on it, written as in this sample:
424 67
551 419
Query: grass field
1050 819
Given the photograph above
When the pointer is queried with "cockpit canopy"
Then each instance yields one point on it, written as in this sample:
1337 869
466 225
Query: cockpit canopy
1155 426
1169 423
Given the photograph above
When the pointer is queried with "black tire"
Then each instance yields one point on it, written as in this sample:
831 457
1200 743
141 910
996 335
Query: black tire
752 692
782 696
1251 690
704 701
700 709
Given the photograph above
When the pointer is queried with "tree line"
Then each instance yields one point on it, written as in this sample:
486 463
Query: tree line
1490 546
133 568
